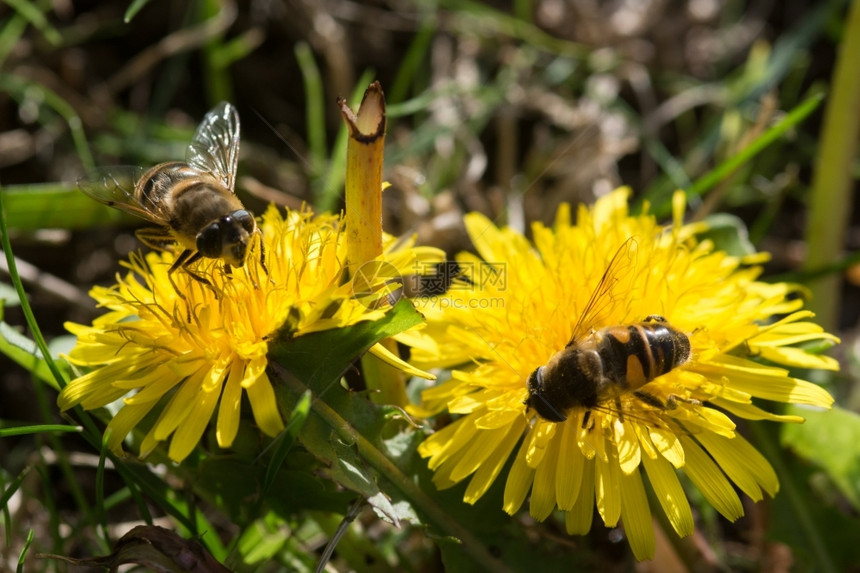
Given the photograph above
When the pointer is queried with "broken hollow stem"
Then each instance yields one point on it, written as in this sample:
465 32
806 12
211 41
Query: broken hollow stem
364 155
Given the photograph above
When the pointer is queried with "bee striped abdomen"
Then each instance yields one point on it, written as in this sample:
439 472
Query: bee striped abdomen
606 364
643 351
157 184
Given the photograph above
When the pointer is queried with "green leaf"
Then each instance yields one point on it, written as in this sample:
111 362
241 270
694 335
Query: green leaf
729 234
351 437
284 443
831 439
319 359
259 543
24 351
56 206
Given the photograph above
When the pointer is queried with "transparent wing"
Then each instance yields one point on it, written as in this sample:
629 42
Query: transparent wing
215 147
114 186
608 290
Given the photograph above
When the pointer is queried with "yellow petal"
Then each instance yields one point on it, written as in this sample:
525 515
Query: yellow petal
569 468
231 402
191 429
476 452
607 490
578 520
497 419
636 516
261 395
447 441
750 412
798 358
518 483
711 481
543 497
180 405
668 490
669 446
627 444
489 470
742 463
537 441
395 361
123 423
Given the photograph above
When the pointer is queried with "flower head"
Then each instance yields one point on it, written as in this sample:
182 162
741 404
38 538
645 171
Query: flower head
518 318
178 348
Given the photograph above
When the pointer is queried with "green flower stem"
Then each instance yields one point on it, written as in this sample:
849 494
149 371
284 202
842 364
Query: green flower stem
422 503
832 181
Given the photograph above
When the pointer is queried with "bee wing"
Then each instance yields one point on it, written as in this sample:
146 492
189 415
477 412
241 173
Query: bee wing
114 186
605 293
215 147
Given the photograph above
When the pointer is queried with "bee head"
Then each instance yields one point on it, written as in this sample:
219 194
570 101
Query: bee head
227 238
538 400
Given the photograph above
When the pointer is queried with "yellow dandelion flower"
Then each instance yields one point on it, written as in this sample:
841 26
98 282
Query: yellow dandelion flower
588 427
184 352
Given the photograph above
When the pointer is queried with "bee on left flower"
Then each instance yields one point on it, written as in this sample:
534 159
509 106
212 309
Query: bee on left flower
194 202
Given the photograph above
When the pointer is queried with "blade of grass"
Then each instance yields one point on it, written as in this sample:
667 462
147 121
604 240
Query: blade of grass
42 428
24 550
32 12
100 517
133 8
832 180
7 494
12 31
724 169
314 113
412 65
237 48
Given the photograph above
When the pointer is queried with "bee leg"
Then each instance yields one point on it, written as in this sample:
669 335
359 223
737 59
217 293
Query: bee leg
180 260
650 399
654 318
618 409
155 238
262 253
586 419
186 258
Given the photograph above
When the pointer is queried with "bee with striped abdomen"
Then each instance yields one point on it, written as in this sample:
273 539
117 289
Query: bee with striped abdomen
600 366
192 202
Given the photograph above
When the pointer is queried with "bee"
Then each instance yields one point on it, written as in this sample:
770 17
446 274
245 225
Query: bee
193 203
600 366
